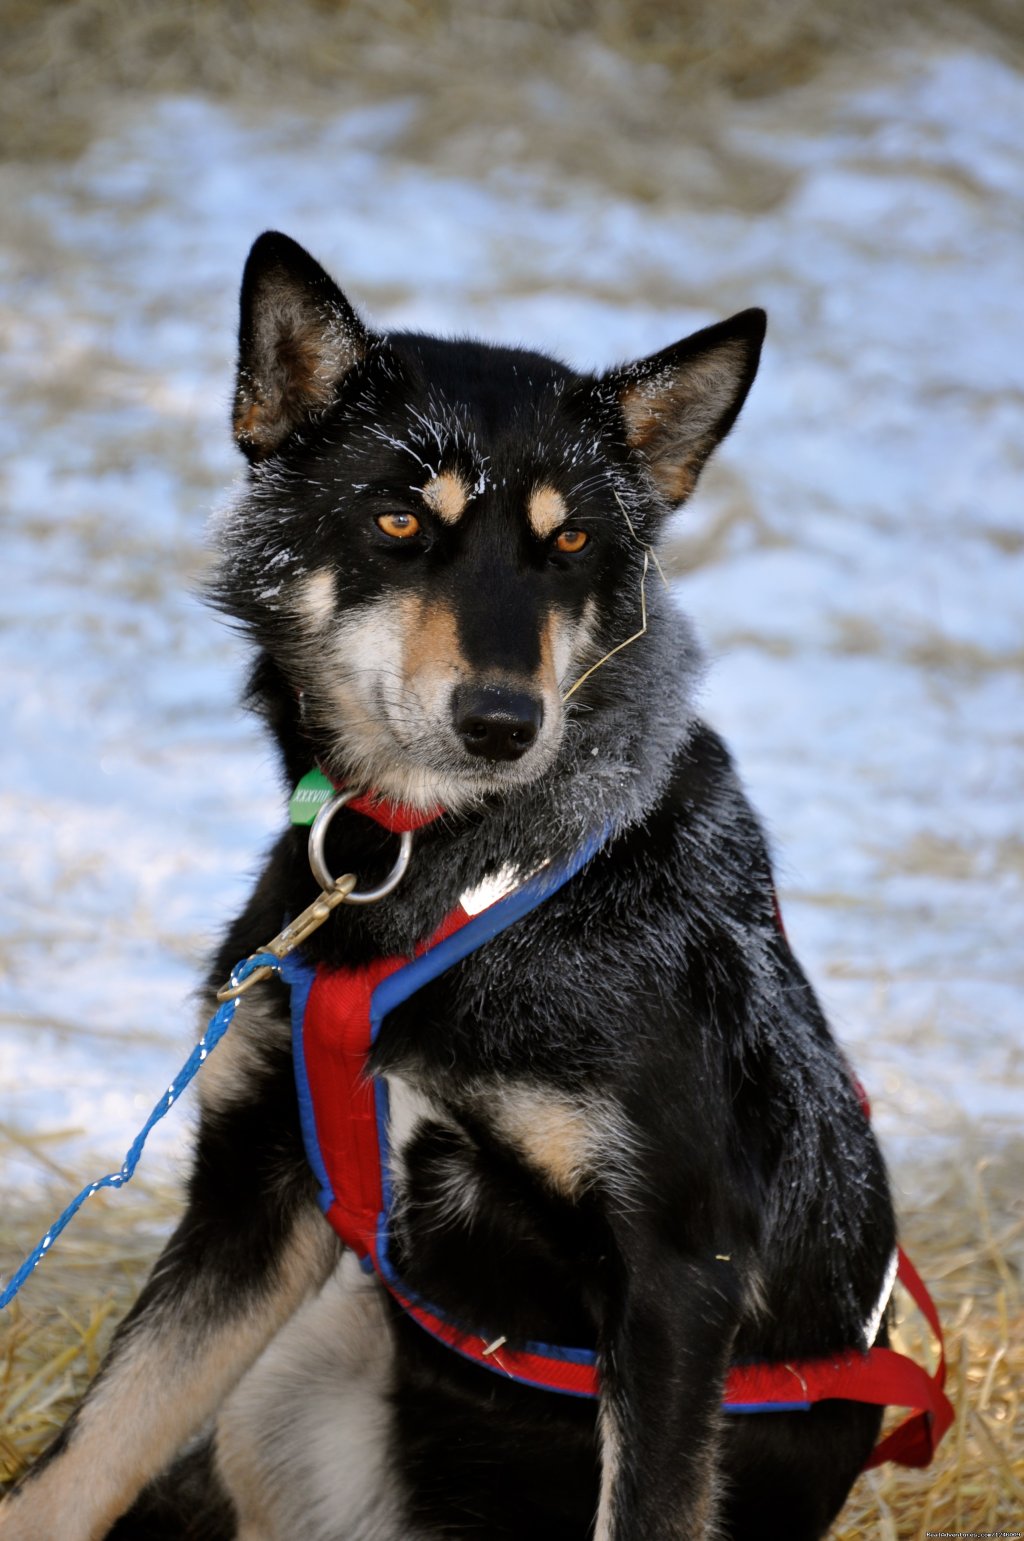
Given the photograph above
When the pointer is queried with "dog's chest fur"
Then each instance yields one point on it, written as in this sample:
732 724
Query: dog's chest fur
495 1182
461 1166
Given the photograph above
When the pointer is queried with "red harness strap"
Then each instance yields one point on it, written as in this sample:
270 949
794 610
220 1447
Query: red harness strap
916 1439
336 1042
907 1384
881 1376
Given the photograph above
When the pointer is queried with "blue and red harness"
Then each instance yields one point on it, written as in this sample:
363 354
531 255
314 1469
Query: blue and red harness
336 1017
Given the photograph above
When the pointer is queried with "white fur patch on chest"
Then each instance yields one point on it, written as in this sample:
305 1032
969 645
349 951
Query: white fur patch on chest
480 898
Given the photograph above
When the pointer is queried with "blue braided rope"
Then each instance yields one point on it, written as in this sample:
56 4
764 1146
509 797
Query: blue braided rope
217 1027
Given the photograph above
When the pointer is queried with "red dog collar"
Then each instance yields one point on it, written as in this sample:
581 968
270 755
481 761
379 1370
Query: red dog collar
399 818
316 788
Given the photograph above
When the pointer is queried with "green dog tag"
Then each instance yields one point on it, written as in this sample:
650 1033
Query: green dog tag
309 797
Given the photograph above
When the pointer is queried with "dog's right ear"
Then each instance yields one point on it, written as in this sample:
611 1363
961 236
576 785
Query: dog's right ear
680 403
298 337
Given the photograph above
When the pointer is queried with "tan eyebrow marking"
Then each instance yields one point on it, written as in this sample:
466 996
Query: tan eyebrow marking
316 596
546 511
446 495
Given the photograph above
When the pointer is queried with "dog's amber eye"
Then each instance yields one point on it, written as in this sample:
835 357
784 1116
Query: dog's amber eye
571 541
399 526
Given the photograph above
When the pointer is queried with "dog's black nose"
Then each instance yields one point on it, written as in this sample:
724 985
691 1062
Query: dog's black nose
497 724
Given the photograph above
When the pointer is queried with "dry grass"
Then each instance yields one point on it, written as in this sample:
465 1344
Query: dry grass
53 1336
66 61
966 1237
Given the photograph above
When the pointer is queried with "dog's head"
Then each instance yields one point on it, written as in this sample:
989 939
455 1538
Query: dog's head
439 539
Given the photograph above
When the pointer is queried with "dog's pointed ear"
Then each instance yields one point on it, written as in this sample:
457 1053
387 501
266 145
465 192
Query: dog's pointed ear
680 403
298 337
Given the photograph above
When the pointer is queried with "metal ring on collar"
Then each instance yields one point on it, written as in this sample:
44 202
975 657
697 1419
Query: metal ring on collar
317 837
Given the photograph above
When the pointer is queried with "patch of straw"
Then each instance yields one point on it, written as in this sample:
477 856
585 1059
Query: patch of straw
965 1232
54 1334
66 61
966 1236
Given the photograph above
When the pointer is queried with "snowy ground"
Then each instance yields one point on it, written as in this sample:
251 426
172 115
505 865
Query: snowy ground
855 561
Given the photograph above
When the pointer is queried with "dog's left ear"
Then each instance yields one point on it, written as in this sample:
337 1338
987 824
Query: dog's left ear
680 403
298 337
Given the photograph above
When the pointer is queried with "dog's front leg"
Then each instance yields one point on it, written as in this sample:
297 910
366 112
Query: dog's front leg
251 1245
671 1323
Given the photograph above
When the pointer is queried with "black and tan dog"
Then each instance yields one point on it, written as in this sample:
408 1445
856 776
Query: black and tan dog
622 1122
